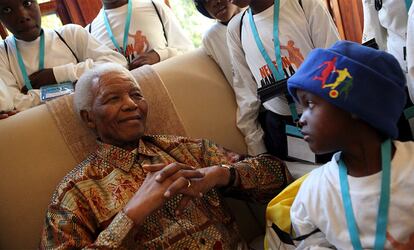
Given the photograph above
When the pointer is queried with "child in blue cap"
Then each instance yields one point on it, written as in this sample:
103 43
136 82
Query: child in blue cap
353 97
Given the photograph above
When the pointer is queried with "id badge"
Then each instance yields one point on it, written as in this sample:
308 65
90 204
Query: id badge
409 115
297 147
50 92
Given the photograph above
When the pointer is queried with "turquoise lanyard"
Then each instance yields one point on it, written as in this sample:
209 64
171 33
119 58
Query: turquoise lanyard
41 59
383 203
278 73
408 4
126 30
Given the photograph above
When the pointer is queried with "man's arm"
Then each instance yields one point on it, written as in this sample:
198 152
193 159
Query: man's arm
89 51
177 41
245 89
70 222
372 25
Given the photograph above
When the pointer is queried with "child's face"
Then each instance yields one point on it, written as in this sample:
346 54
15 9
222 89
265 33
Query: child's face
324 125
221 10
22 18
241 3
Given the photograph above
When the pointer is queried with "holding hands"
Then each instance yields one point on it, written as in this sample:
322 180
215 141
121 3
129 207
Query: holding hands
164 182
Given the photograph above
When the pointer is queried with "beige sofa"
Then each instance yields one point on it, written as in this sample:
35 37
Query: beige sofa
39 146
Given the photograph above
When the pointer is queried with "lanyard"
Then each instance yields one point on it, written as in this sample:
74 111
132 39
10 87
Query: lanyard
41 59
277 73
381 229
126 30
408 4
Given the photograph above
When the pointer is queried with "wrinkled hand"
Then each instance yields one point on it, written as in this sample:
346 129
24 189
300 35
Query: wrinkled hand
150 58
214 176
4 115
151 195
42 77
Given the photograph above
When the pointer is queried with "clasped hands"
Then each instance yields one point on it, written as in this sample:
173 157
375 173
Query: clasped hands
164 182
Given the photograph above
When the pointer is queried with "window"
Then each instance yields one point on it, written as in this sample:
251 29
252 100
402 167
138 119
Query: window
190 19
49 18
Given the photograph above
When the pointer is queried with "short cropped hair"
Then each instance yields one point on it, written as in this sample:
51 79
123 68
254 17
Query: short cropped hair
84 96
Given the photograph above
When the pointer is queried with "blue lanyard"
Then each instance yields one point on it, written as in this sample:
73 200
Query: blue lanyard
126 30
383 203
408 4
41 59
278 73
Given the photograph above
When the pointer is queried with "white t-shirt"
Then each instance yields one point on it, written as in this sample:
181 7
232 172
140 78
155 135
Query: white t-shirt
215 45
388 26
300 30
146 30
410 52
57 56
318 204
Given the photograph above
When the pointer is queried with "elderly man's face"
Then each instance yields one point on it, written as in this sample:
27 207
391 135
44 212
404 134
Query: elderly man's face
119 110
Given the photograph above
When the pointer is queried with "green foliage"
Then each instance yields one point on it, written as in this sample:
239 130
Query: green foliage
190 19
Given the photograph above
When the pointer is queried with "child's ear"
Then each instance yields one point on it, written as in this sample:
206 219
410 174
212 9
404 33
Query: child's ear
88 119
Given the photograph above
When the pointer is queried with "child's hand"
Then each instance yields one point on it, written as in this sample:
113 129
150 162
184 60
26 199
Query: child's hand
42 77
4 114
150 58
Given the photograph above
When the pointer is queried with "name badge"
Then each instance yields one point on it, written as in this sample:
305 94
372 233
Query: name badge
297 147
50 92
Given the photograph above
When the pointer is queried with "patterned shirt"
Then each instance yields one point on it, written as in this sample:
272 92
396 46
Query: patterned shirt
86 208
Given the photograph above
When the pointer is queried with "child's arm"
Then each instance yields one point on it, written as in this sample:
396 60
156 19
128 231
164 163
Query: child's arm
372 25
245 89
310 237
12 96
177 41
87 49
6 102
322 27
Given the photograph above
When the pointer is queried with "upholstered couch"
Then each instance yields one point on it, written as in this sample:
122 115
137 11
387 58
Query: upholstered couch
188 95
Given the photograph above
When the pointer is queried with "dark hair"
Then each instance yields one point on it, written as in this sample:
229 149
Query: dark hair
199 4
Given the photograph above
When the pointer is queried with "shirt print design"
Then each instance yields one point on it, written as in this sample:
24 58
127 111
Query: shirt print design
290 64
139 46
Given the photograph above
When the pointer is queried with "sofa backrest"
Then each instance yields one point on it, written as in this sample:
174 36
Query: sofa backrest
37 150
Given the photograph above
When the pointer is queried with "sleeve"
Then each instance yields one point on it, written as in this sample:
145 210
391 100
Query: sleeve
245 90
65 229
177 41
259 178
372 25
410 52
302 223
6 102
19 101
207 45
323 29
89 51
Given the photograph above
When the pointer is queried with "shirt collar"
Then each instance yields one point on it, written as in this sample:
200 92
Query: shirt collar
121 158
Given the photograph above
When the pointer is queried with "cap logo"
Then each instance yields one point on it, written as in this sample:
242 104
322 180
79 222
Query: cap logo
342 83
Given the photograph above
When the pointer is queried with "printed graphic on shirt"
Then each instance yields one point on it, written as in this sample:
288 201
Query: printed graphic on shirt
341 84
401 245
140 45
290 64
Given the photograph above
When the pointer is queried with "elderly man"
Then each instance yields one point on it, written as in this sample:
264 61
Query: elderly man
148 192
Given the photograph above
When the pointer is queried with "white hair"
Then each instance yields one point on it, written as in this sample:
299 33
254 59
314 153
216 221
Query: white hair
84 96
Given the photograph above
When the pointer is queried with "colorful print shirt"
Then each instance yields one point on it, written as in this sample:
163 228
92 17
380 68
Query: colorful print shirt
86 208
